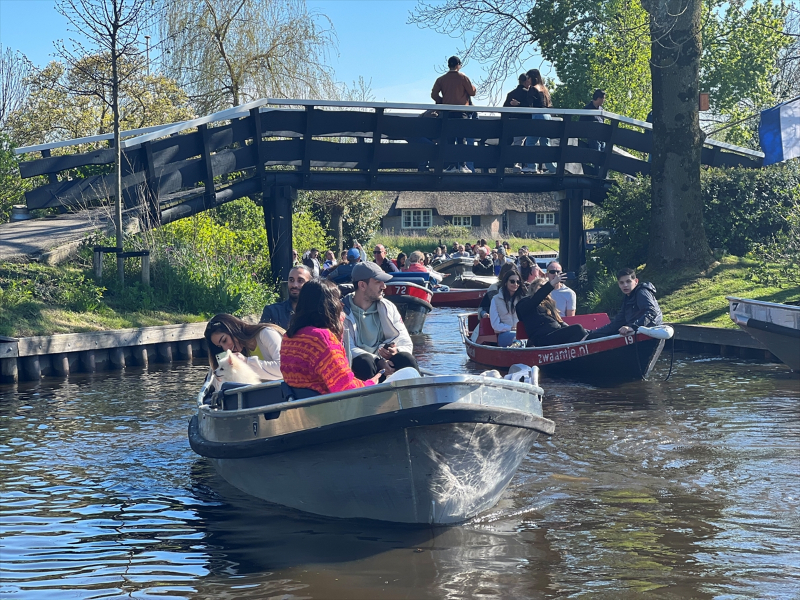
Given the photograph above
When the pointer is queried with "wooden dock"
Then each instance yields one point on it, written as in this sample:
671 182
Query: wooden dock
59 355
29 359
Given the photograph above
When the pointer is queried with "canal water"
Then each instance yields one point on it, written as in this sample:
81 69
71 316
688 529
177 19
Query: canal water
683 489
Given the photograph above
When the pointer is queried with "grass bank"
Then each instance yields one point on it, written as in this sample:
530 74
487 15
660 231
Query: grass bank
425 243
700 299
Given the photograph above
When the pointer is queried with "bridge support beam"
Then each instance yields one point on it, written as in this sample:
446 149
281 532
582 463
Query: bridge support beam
570 244
277 203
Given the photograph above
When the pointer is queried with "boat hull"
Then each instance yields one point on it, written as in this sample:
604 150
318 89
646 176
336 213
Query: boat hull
398 475
428 450
459 298
413 302
606 360
777 326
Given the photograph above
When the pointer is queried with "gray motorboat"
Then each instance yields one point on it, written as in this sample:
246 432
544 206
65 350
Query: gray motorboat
458 273
775 325
438 449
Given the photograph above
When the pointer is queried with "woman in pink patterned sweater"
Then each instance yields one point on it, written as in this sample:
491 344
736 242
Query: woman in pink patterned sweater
312 355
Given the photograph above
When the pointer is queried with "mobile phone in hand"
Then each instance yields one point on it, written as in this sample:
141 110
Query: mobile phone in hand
571 275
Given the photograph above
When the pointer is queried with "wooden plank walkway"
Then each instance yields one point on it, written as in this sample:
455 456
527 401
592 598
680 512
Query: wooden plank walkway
50 239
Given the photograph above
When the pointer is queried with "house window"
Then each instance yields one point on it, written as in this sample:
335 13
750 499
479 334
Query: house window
417 218
462 221
545 218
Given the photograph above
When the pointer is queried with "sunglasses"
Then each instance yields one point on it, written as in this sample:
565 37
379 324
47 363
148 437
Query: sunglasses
552 272
377 251
514 281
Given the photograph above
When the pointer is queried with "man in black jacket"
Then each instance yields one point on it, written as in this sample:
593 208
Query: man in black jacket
639 307
482 265
281 313
519 93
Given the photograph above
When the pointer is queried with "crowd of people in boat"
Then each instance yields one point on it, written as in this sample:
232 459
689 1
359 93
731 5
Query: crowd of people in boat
319 340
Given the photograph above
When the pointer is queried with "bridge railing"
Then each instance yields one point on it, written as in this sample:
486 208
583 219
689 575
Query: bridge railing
349 145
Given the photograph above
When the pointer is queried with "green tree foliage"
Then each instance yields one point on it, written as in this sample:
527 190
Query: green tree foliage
65 104
743 209
12 187
360 213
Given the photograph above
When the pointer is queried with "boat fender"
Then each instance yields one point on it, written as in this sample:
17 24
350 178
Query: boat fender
523 373
660 332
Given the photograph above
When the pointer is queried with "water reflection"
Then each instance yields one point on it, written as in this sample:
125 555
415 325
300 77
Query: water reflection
681 489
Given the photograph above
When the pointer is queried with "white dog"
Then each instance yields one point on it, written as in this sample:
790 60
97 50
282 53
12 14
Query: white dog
233 369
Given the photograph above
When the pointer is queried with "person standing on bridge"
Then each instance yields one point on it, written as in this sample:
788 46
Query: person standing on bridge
595 103
454 88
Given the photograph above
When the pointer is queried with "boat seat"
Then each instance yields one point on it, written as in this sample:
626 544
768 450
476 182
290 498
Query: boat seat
290 393
590 321
413 277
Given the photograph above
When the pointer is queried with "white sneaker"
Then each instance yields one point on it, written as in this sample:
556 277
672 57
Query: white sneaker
464 169
452 170
517 169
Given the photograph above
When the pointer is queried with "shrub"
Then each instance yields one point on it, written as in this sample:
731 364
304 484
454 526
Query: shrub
742 208
450 231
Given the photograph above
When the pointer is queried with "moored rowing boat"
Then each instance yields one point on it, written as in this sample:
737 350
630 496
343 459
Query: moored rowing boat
775 325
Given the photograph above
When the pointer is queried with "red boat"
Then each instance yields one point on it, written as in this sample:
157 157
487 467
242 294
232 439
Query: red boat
413 301
610 359
461 298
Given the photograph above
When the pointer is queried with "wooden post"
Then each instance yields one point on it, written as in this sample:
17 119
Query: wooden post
87 361
97 263
165 352
376 146
209 197
9 371
139 356
60 364
32 368
278 221
563 232
117 357
146 269
575 231
184 348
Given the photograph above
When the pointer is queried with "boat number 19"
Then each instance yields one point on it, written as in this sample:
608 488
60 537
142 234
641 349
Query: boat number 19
628 340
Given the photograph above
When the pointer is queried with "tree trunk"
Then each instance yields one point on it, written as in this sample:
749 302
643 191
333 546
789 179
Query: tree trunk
337 228
677 237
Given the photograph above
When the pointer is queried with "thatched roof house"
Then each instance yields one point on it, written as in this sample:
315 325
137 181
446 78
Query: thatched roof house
530 215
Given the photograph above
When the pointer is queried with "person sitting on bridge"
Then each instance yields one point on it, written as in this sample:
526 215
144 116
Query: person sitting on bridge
342 273
542 321
454 88
639 307
482 265
259 345
376 338
312 354
379 256
564 296
281 313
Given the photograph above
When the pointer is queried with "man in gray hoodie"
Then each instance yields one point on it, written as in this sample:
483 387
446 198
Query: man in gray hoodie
375 336
639 307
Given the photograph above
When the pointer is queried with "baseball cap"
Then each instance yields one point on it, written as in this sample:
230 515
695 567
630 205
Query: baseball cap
353 254
366 270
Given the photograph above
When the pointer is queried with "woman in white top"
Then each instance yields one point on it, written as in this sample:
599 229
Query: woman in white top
259 344
502 312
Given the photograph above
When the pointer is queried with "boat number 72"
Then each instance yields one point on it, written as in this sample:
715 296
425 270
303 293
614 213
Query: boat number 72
402 290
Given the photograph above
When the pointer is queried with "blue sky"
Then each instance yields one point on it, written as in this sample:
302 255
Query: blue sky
375 42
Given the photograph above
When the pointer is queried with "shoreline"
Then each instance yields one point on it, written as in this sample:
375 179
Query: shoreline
31 358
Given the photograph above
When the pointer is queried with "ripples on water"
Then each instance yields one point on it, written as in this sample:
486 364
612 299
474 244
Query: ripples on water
685 489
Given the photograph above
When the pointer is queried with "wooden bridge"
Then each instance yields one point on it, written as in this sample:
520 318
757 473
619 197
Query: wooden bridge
275 147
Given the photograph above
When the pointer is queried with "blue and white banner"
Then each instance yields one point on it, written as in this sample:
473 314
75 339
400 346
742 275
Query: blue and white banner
779 132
